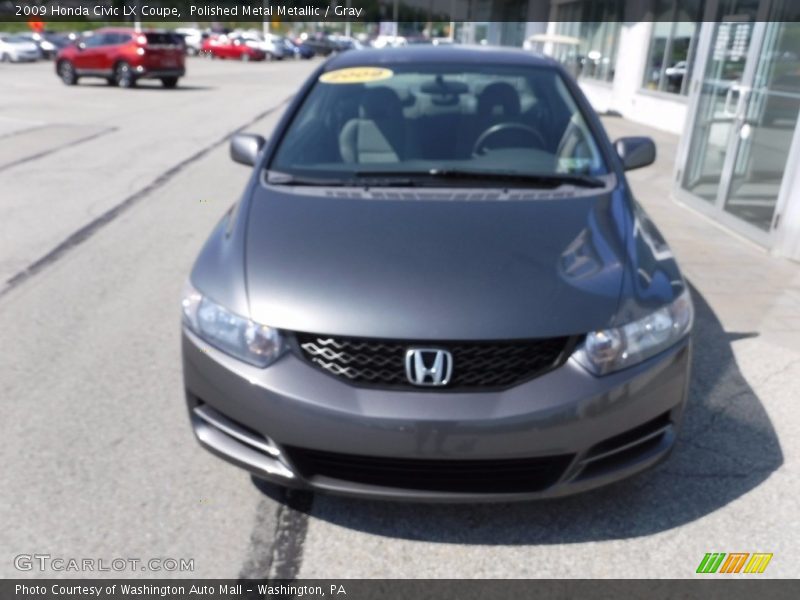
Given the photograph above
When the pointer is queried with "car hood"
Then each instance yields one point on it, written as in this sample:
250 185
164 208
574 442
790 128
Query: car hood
433 266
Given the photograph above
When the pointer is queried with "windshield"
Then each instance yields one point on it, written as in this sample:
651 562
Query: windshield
438 118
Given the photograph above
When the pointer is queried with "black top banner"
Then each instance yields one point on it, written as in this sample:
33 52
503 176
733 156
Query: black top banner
400 11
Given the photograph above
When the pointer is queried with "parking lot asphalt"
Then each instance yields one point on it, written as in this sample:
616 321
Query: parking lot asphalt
106 196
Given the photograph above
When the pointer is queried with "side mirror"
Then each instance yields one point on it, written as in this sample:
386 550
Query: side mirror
80 45
245 148
636 152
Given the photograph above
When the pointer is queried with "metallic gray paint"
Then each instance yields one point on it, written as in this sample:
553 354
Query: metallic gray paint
244 148
461 269
565 411
635 152
415 269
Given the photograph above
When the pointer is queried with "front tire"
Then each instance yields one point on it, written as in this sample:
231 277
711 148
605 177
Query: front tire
5 57
169 82
123 75
67 73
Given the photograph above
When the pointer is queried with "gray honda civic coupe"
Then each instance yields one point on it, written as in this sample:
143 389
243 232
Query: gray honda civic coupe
438 286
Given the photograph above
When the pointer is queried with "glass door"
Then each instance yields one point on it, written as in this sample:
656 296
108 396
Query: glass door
722 90
765 129
745 110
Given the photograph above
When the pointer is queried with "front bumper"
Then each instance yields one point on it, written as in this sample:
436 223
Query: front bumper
144 72
588 431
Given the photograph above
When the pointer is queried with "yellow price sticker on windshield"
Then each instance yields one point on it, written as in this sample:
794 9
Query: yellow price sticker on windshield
356 75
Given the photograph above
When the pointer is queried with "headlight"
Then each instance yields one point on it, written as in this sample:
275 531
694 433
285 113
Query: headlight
614 349
251 342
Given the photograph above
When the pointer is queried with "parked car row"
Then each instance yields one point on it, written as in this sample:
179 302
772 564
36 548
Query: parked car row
122 56
228 44
239 44
253 45
325 45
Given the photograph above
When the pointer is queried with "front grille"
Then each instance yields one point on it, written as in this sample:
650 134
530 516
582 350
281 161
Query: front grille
508 476
476 365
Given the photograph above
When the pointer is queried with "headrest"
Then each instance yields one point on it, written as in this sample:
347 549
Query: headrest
499 97
381 103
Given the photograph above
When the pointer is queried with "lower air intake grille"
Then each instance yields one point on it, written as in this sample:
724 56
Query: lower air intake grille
476 365
508 476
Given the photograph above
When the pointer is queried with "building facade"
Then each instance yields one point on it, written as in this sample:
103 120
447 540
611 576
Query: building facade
723 74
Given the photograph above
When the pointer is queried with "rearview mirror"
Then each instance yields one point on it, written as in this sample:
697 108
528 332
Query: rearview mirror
636 152
245 148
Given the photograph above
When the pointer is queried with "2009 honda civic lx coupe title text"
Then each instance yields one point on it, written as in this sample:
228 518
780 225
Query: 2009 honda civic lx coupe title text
438 286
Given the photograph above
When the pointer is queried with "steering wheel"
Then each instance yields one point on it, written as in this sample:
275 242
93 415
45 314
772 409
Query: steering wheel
480 144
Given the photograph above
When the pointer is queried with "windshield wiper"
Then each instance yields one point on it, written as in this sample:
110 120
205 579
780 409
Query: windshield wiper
417 178
276 178
370 180
549 180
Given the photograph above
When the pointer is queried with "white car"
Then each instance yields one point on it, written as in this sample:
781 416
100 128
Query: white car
344 42
389 41
193 38
15 48
271 45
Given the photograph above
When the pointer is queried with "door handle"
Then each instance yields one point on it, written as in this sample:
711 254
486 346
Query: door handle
726 108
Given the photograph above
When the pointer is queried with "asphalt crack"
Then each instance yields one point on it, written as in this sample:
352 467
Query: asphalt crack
91 228
54 149
22 131
781 371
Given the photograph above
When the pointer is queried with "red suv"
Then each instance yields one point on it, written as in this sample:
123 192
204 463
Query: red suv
123 56
223 46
